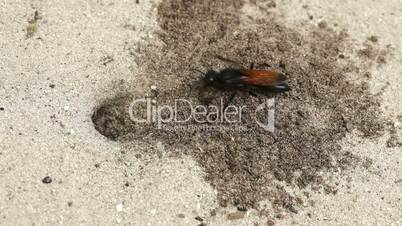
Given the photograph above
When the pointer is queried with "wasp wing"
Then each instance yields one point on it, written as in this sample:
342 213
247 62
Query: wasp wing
264 78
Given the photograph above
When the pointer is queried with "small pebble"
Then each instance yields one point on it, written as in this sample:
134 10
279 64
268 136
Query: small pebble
153 87
322 24
198 218
52 86
32 28
270 222
373 38
119 207
235 215
47 180
213 213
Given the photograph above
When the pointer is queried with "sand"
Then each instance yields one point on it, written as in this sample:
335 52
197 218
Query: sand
62 63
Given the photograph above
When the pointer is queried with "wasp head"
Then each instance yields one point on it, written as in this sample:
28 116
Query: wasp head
210 77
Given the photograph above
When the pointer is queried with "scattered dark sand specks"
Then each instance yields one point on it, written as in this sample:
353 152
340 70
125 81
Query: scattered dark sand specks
395 140
310 120
373 53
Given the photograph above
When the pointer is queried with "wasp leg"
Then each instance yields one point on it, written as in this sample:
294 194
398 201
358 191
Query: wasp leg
265 65
253 94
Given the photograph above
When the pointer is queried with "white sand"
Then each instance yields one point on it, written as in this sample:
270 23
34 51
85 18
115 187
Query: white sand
47 131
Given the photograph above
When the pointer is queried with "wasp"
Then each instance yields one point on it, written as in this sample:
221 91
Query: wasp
251 80
231 79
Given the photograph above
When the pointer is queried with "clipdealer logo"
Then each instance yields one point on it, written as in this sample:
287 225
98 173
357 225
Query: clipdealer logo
212 117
